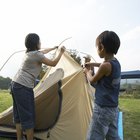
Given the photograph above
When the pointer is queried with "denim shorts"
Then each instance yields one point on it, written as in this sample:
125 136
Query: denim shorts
104 124
23 105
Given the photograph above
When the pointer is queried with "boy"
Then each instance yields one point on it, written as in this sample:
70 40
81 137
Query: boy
106 80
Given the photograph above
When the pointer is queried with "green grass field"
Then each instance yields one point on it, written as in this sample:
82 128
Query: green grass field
129 106
131 118
5 100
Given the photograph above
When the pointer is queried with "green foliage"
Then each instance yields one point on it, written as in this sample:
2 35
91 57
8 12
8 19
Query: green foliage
4 82
73 54
132 95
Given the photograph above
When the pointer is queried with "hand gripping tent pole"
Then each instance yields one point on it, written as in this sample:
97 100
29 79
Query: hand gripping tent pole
54 53
23 51
88 54
62 43
49 68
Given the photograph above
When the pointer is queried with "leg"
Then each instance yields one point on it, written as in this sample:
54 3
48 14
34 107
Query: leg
16 115
113 127
19 131
25 107
98 126
30 134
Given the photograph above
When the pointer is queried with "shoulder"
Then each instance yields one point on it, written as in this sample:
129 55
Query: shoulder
106 68
116 67
39 53
116 62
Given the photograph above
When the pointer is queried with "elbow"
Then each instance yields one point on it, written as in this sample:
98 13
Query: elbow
53 65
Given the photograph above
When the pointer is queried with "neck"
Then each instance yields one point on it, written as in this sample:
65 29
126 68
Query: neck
109 57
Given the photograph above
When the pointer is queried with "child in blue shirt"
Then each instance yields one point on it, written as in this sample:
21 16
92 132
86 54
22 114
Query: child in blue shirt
106 80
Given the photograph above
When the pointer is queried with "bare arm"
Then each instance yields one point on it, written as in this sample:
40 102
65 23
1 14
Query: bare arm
48 49
54 62
92 64
104 70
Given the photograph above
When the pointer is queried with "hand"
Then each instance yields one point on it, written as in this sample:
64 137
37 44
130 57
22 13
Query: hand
63 49
56 47
85 70
87 66
88 63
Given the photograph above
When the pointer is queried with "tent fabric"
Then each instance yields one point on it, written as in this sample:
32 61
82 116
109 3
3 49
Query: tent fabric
43 98
48 103
62 110
130 74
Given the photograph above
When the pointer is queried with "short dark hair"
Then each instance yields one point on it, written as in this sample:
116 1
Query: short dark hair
31 42
110 40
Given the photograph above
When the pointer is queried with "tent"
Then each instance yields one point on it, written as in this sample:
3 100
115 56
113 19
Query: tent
63 100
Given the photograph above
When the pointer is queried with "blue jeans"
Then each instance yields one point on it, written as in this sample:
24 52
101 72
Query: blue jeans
104 124
23 105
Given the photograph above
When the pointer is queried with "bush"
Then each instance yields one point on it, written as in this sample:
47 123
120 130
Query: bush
4 82
134 94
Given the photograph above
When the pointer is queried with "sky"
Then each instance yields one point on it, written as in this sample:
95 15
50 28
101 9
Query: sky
56 20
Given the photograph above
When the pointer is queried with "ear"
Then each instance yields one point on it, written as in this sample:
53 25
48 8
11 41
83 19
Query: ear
102 47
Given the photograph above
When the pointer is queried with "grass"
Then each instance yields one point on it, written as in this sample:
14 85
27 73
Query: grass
5 100
131 118
129 105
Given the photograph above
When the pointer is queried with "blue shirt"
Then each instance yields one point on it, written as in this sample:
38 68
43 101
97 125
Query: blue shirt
107 88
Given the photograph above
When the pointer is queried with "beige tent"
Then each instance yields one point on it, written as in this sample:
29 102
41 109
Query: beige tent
63 107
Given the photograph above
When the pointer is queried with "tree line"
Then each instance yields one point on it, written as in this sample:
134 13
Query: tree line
4 82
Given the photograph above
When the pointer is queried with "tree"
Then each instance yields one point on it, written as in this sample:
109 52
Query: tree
4 82
73 54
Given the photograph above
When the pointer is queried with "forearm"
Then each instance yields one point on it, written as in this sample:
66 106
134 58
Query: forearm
97 64
92 64
56 60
